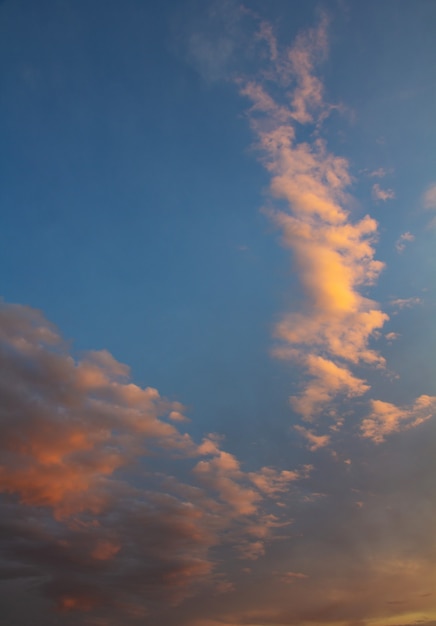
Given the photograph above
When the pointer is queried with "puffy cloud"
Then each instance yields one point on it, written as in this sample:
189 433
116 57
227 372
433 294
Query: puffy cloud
222 474
333 255
386 418
328 380
382 194
89 505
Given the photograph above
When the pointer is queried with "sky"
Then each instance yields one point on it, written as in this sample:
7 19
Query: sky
217 324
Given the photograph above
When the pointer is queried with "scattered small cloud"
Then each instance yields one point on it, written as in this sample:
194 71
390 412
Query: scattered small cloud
381 172
403 239
315 442
386 418
382 194
405 303
291 577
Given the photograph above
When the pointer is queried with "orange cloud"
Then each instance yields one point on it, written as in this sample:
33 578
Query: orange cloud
386 418
69 426
79 442
315 442
333 254
328 380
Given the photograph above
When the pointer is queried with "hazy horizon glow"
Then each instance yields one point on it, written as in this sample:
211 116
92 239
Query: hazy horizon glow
217 336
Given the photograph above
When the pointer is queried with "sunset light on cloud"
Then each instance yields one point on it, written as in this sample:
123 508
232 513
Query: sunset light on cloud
217 331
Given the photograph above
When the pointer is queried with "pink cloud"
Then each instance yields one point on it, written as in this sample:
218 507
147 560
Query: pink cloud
382 194
315 442
78 447
400 244
386 418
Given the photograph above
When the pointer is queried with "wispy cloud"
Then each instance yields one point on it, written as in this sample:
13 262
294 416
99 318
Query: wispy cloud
381 172
429 203
403 239
429 197
405 303
382 194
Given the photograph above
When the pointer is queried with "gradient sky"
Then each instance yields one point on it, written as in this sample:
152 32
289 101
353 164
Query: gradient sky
217 332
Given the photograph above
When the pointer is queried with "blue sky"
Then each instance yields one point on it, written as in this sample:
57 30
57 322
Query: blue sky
238 203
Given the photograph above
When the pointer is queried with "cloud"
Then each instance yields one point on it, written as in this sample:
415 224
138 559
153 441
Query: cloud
333 255
291 577
400 244
89 504
381 172
405 303
328 380
374 521
215 41
387 418
315 442
429 197
382 194
429 202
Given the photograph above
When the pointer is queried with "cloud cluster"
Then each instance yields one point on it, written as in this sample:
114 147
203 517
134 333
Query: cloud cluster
386 418
333 254
330 334
104 501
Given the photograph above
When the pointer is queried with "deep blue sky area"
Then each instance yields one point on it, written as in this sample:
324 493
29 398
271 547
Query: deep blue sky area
130 213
